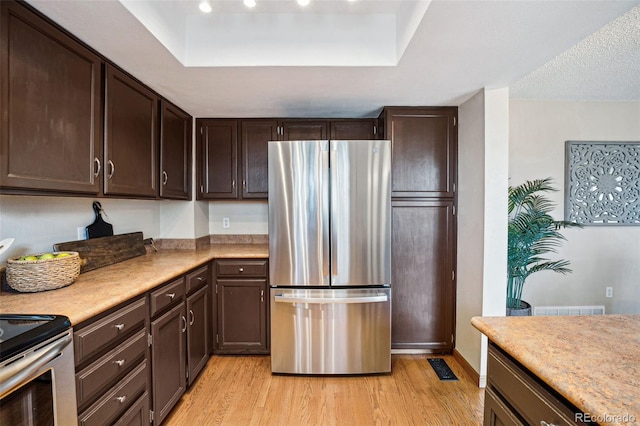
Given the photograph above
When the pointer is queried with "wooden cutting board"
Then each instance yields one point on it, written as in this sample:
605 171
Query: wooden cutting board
98 252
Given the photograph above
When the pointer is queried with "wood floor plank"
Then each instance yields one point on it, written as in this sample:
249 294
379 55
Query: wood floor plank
240 390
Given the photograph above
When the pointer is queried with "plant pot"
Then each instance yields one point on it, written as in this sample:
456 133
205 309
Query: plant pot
523 311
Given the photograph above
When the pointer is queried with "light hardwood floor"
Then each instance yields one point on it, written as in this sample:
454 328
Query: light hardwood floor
240 390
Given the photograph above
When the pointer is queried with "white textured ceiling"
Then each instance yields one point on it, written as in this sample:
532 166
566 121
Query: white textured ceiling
458 48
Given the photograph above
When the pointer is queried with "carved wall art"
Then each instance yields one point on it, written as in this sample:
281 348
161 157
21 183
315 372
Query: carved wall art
602 183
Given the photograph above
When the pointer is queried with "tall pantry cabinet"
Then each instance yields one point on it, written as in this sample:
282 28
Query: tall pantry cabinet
424 173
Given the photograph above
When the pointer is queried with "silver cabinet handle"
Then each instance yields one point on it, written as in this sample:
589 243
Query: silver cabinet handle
240 269
244 184
121 399
192 316
233 184
261 296
184 321
170 295
119 362
165 177
543 423
119 326
199 279
96 161
112 168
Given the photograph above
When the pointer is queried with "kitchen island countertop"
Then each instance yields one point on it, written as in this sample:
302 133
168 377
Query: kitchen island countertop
592 361
101 289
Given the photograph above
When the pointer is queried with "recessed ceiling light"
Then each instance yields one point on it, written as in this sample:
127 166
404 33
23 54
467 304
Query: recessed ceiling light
205 6
250 3
303 2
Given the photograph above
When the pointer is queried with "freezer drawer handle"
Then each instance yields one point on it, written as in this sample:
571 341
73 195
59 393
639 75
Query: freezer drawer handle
332 300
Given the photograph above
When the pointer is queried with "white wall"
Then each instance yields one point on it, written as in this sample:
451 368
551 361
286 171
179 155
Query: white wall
245 217
600 256
483 144
39 222
470 235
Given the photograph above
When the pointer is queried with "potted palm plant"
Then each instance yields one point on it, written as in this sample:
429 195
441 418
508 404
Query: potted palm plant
532 234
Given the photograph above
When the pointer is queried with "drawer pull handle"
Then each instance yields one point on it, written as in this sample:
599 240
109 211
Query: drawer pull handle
240 269
184 321
192 316
121 399
170 295
120 362
543 423
200 279
120 327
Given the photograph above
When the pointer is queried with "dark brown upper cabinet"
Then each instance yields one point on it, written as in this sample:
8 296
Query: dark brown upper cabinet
255 136
217 158
175 152
130 137
353 129
50 138
303 130
424 150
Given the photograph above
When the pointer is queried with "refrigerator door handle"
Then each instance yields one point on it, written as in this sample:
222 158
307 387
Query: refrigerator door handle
381 297
325 212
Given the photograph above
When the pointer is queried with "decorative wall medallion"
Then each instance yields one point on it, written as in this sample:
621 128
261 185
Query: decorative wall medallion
602 183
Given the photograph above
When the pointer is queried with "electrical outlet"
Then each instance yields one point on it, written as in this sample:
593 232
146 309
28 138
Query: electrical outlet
82 235
609 292
226 223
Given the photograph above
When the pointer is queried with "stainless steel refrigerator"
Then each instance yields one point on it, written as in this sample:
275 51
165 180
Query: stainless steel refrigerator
330 256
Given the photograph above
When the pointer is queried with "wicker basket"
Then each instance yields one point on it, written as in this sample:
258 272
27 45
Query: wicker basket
39 275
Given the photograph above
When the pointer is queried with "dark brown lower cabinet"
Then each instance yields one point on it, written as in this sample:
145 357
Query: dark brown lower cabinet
168 360
515 396
242 325
197 332
423 278
138 414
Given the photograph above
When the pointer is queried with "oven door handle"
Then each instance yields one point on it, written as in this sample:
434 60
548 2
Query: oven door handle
12 376
381 297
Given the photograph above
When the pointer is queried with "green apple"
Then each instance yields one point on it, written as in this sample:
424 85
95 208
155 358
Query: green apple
46 256
63 254
30 258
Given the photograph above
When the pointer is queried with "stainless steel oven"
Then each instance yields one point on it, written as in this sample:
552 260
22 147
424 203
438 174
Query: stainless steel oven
37 380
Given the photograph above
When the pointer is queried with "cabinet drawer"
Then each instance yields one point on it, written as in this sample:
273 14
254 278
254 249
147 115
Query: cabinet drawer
527 397
166 295
91 339
197 278
138 414
91 380
116 402
241 268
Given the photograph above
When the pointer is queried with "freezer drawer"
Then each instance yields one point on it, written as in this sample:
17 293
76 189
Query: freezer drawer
332 331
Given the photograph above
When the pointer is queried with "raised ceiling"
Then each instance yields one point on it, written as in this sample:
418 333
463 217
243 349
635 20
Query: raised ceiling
457 48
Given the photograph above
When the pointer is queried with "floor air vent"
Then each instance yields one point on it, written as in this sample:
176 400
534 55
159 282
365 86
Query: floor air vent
568 310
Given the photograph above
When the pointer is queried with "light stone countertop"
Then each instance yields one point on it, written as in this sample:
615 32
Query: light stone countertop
593 361
101 289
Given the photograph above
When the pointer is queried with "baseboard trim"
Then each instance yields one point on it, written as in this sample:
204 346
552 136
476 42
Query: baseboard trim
475 376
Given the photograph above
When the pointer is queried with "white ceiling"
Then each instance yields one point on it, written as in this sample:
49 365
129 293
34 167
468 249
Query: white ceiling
541 49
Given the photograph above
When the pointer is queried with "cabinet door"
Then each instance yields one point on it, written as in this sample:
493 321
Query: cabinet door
168 360
304 130
424 150
242 315
355 129
175 153
422 264
218 162
197 333
496 413
50 107
138 414
130 137
255 136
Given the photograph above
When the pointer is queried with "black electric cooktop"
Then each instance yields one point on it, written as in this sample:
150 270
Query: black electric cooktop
20 332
